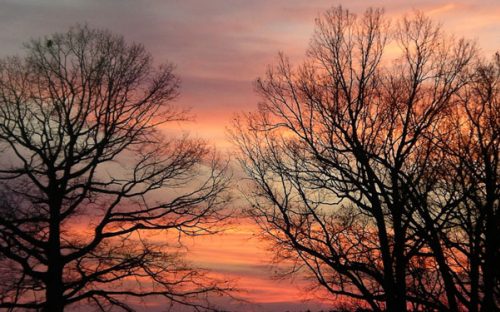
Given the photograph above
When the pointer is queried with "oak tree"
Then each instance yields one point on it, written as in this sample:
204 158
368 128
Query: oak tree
87 171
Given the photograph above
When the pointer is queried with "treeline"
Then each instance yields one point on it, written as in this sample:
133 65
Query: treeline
374 164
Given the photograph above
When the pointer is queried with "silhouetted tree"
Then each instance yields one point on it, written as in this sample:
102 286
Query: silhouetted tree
86 172
345 159
470 153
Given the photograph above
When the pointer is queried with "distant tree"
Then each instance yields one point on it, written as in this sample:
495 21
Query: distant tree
347 162
86 172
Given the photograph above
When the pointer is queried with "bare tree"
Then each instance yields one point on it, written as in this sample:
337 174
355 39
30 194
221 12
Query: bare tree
470 149
342 155
86 173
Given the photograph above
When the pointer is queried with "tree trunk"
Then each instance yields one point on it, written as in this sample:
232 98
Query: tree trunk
475 247
435 244
400 276
54 292
389 287
54 283
490 264
399 260
489 269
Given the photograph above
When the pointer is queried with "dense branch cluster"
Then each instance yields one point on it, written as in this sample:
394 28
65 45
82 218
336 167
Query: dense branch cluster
379 174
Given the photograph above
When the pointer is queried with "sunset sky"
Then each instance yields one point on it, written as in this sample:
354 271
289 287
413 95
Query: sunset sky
220 47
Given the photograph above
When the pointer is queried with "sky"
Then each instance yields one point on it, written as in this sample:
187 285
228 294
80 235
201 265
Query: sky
219 48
